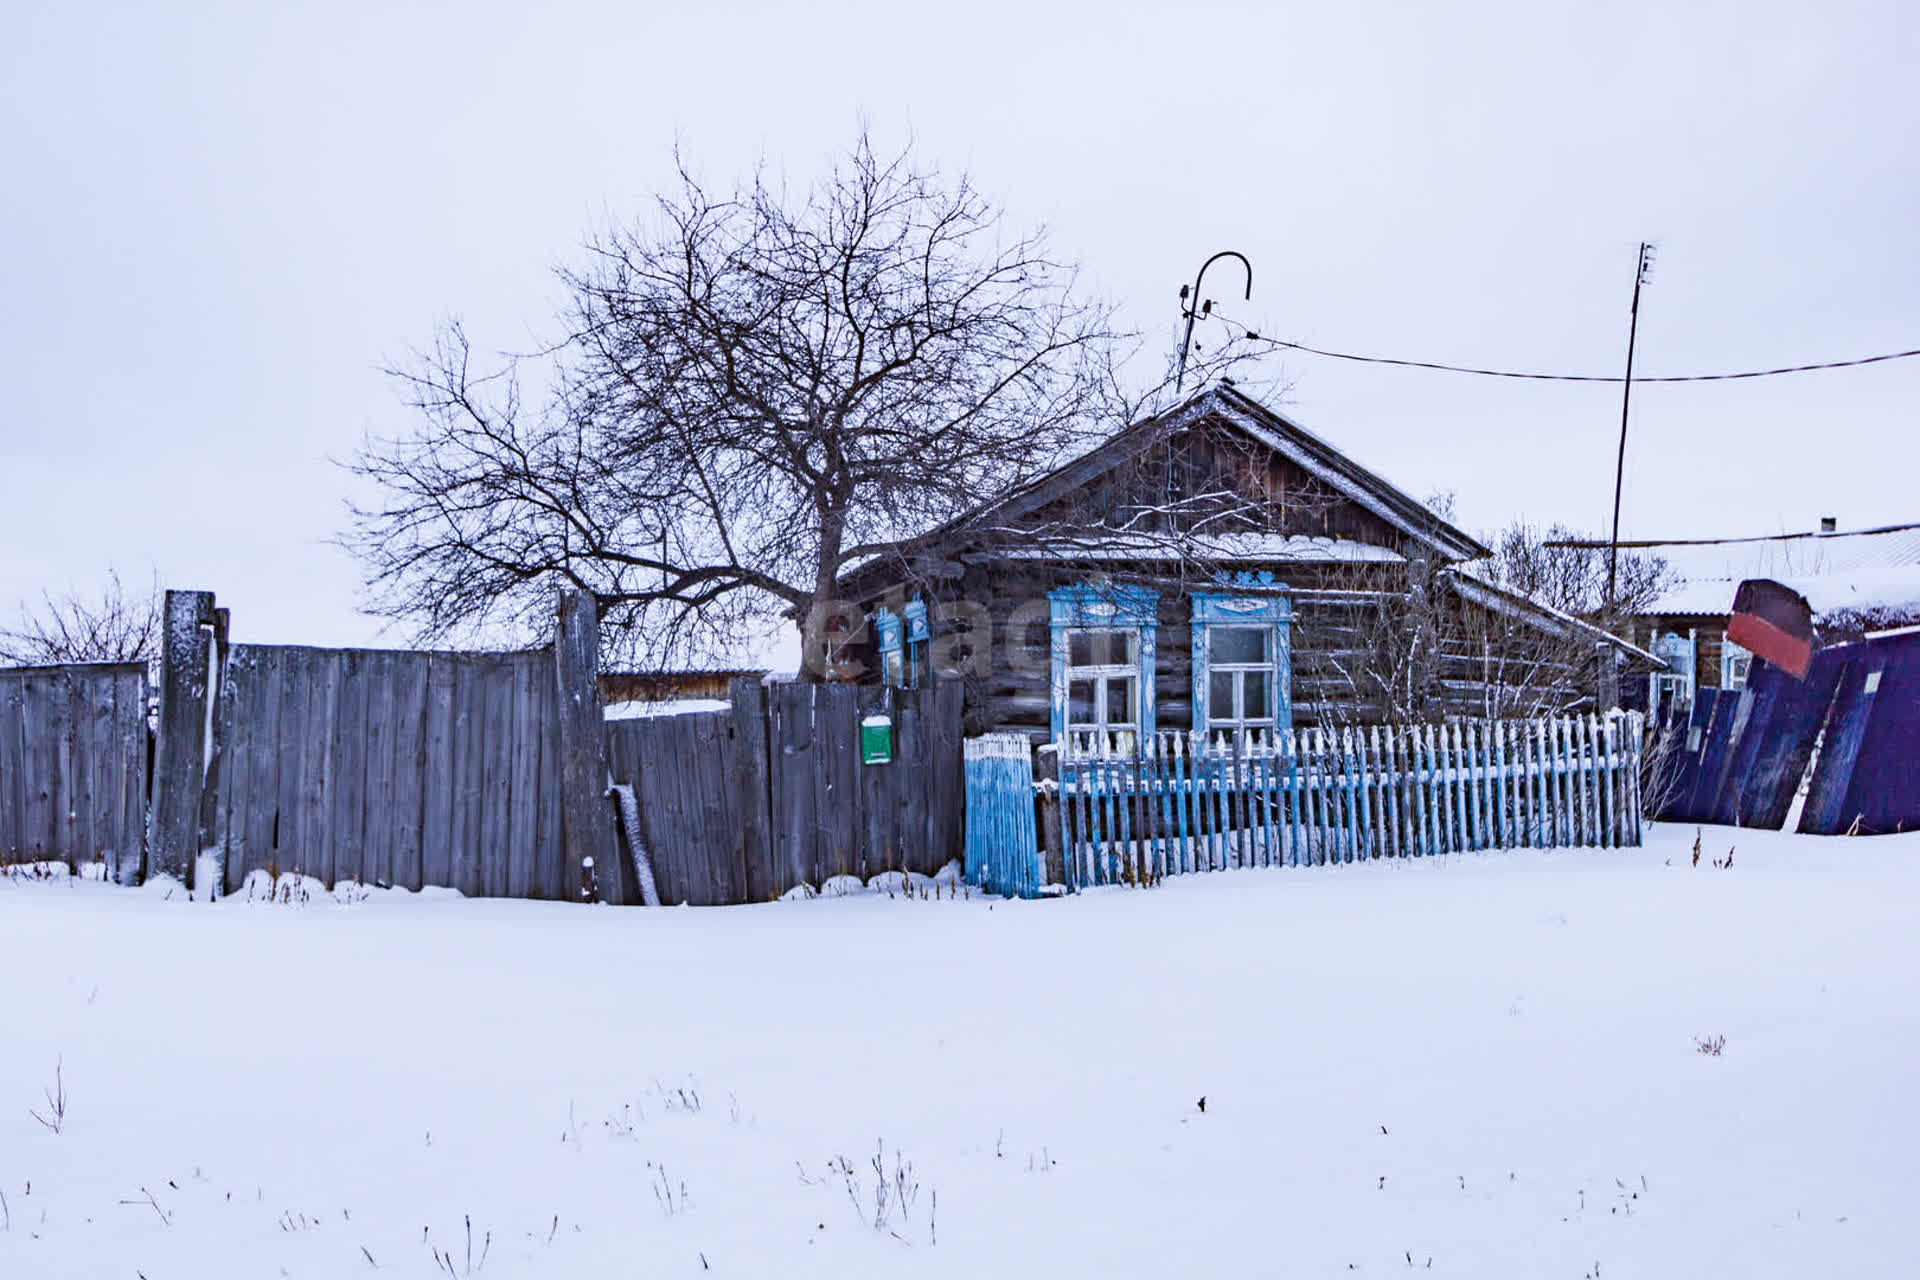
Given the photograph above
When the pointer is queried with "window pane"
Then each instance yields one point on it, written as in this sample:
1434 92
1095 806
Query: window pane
1220 695
1103 648
1080 702
1239 644
1120 700
1254 694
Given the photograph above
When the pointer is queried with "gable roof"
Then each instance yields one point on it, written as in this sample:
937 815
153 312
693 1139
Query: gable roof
1242 413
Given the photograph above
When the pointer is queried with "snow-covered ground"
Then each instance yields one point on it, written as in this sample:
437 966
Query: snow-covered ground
1482 1066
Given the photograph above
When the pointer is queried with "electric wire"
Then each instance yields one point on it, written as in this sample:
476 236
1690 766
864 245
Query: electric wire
1252 335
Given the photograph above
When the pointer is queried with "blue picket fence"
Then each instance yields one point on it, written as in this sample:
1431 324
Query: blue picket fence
1176 805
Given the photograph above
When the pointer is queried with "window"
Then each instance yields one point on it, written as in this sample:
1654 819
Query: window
1241 664
1239 677
1102 646
1672 690
1103 679
1735 662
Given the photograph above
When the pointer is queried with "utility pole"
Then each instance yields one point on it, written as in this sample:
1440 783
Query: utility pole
1645 264
1191 308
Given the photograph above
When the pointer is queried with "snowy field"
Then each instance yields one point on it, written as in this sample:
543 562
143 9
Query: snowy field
1481 1066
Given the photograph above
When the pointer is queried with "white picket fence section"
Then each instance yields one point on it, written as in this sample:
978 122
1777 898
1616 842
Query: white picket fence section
1177 803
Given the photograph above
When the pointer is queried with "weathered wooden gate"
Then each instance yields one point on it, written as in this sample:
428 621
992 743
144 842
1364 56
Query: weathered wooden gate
482 772
392 768
73 766
745 804
1003 855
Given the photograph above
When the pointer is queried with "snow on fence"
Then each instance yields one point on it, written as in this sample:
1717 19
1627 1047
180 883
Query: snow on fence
1180 804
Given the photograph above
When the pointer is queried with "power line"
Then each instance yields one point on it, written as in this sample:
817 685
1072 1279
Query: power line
1253 336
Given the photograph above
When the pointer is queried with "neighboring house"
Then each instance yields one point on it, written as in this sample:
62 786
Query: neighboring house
1214 568
1856 580
638 695
621 687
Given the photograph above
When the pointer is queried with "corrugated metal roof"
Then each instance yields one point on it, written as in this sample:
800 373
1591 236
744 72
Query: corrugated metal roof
1833 570
1793 555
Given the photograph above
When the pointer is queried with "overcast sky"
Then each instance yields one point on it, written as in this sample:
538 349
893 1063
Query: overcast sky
216 223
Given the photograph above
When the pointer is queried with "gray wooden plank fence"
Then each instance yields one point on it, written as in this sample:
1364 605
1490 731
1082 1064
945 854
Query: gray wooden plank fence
745 804
390 768
73 766
482 772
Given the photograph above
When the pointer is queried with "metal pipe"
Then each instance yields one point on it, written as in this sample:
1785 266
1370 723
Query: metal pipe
1193 306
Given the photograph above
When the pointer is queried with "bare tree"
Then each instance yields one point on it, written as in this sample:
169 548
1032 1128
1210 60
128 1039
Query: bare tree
1854 622
754 392
1562 570
1522 633
108 627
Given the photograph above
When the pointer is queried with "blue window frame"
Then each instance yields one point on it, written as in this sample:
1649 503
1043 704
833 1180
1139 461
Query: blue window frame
1242 656
1102 659
1674 686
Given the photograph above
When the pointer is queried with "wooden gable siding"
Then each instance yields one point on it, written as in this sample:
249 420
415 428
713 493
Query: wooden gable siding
1202 472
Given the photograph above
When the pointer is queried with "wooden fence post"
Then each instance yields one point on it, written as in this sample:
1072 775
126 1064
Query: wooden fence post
179 753
1046 768
586 818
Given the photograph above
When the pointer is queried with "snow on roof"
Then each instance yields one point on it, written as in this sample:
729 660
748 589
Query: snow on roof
1893 588
1474 586
1857 569
1220 546
675 707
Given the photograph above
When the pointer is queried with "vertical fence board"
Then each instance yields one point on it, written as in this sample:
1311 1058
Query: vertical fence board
13 767
37 821
347 772
438 798
409 769
257 676
748 723
523 763
378 710
464 767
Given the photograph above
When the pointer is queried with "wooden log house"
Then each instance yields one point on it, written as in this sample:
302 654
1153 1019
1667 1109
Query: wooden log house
1216 567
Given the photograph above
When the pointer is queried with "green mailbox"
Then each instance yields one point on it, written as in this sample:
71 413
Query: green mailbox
876 740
